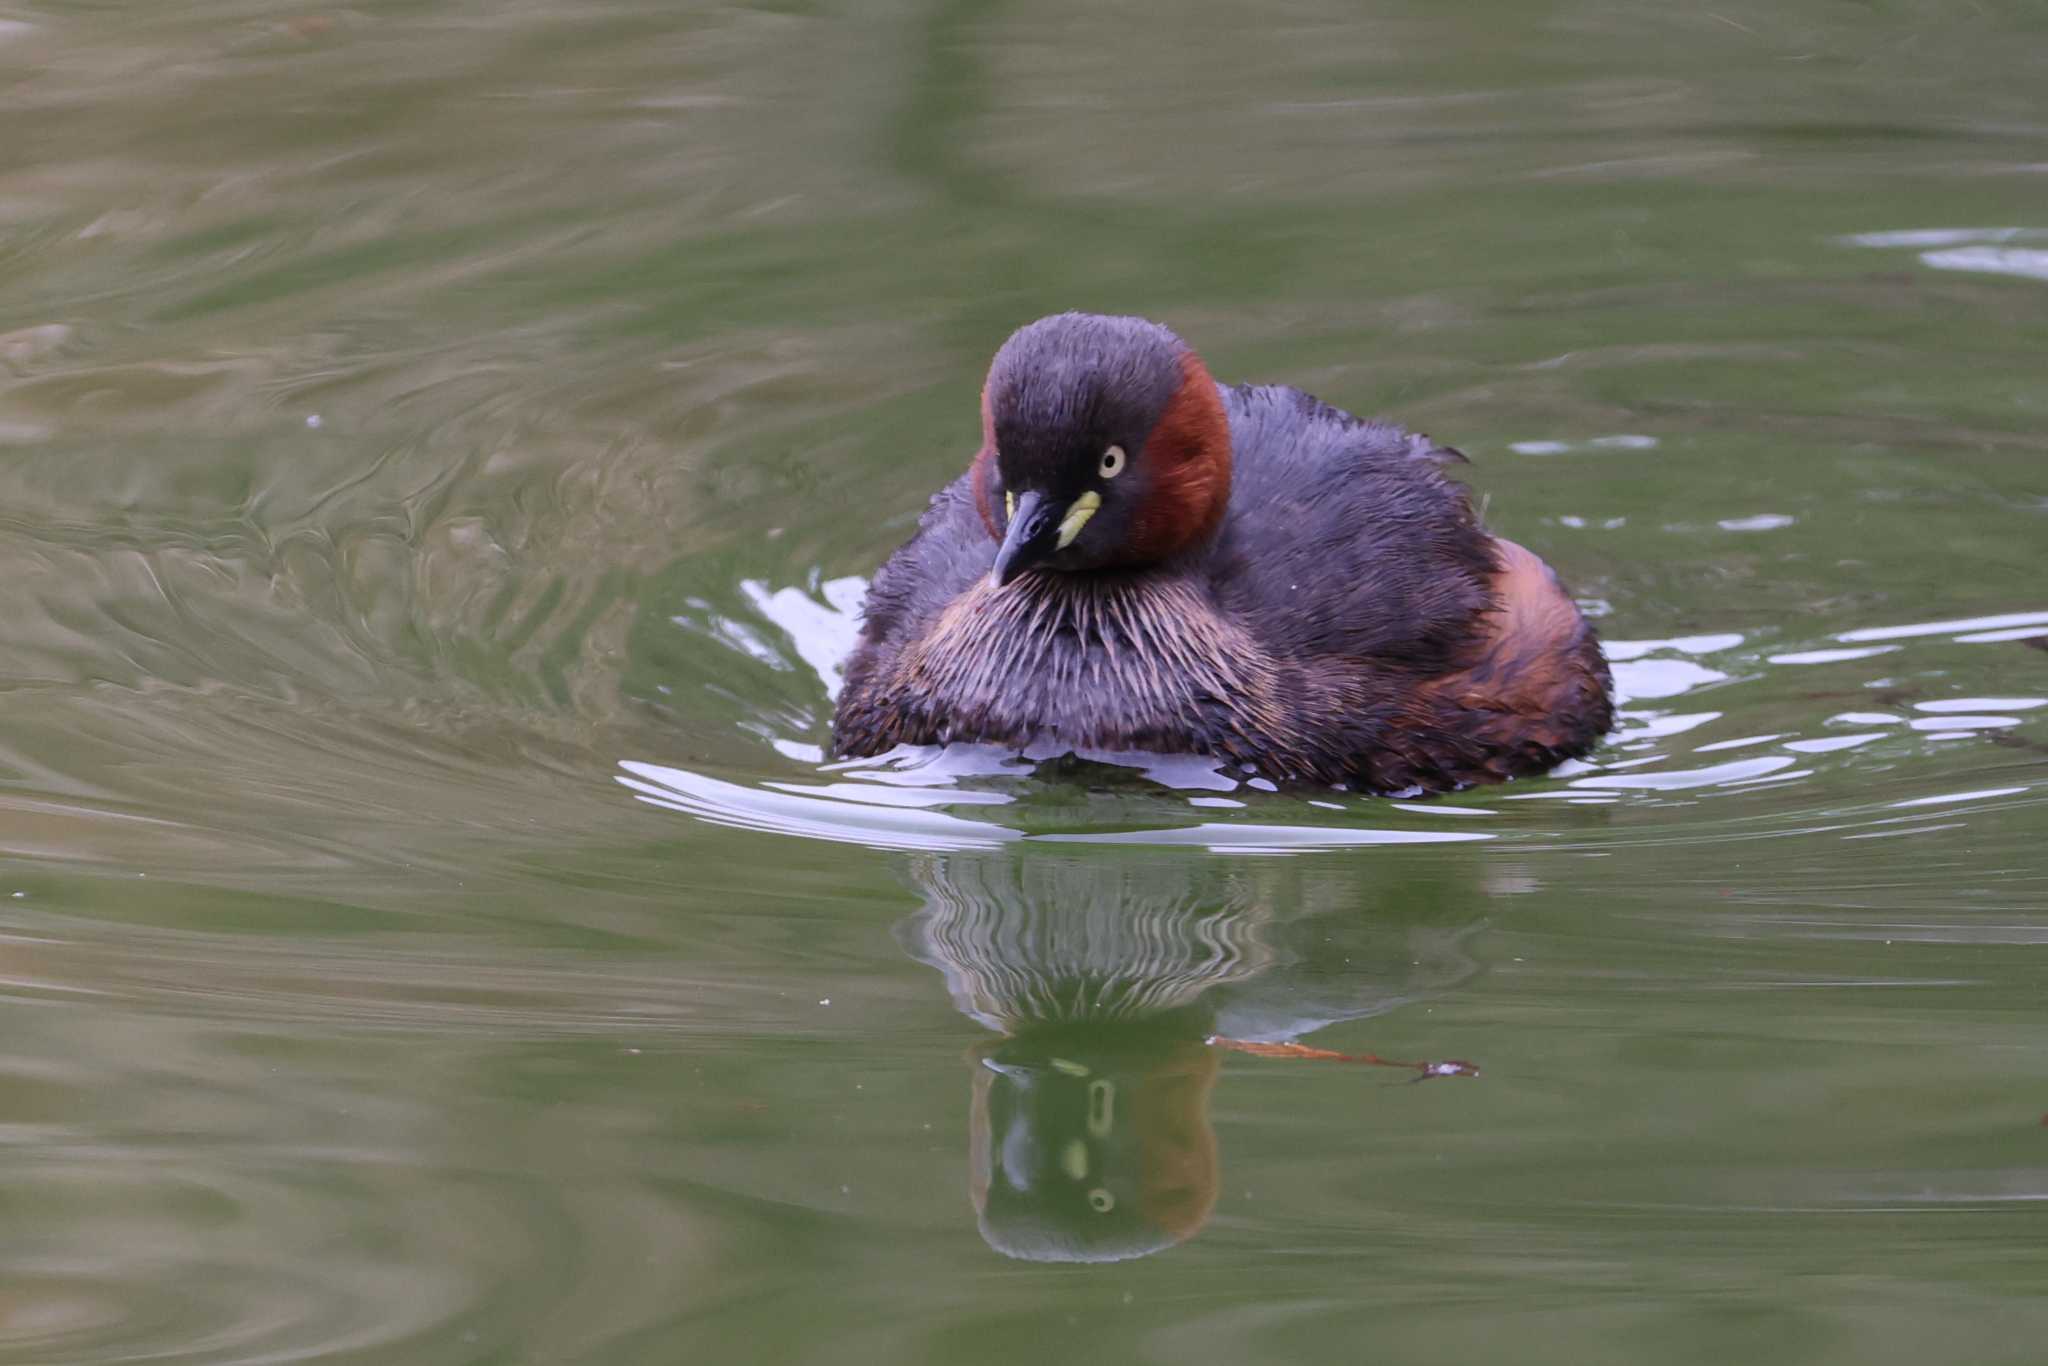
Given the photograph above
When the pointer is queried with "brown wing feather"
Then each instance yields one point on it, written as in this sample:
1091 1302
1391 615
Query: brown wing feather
1538 686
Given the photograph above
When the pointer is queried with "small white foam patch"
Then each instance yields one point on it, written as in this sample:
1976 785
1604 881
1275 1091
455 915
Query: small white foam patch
1762 521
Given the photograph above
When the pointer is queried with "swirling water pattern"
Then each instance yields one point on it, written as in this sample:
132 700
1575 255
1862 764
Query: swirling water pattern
441 447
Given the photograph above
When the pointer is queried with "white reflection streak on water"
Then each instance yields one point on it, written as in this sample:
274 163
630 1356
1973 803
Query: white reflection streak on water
1909 830
1990 261
1947 724
1982 704
750 808
1837 656
1830 743
824 633
1952 797
1267 839
1999 637
1674 780
1942 628
1739 742
1618 650
1976 250
894 796
1943 237
1621 441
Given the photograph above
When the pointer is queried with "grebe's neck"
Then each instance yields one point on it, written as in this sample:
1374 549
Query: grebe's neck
1187 459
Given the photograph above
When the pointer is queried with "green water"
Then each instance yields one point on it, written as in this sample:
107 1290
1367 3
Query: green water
427 430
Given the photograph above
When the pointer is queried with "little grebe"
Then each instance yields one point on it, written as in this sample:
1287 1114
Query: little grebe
1142 559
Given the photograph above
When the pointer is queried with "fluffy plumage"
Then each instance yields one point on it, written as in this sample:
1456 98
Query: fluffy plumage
1342 618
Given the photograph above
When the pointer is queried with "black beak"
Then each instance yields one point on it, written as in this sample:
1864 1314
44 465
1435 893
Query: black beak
1034 528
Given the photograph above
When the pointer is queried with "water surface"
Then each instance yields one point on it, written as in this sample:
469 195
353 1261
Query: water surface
441 451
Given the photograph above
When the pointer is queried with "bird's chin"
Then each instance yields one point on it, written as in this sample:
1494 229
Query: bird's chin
1025 580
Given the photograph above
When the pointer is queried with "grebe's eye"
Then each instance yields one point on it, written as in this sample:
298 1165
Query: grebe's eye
1112 462
1009 506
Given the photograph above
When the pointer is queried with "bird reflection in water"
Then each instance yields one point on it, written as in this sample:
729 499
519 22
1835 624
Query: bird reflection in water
1116 983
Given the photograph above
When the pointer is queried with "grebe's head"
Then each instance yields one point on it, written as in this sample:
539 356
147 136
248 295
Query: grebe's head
1104 443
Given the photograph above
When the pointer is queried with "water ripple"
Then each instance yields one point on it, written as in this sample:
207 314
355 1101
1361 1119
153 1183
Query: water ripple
893 801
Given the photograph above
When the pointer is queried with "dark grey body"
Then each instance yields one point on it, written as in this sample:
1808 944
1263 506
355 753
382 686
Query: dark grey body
1328 631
